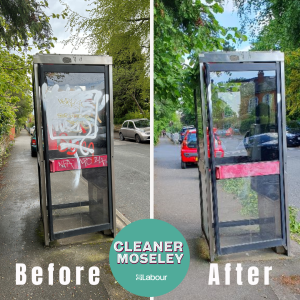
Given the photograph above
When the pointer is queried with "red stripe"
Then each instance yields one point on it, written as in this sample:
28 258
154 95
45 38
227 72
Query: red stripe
68 164
247 170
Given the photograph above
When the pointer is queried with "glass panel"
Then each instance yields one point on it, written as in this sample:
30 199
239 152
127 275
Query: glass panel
76 114
250 207
246 128
245 115
87 189
75 106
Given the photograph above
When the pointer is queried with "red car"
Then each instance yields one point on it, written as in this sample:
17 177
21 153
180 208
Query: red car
189 148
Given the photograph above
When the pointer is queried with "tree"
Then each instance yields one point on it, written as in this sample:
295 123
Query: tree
275 22
108 19
131 83
23 109
182 30
14 84
20 23
188 115
22 20
122 30
278 27
228 47
292 79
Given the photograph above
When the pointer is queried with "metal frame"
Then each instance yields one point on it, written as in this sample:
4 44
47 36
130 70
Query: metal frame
241 56
245 61
206 167
234 67
72 59
284 153
68 63
40 156
211 160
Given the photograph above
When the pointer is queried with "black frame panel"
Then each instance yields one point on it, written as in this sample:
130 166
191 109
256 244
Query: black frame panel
219 67
42 68
203 164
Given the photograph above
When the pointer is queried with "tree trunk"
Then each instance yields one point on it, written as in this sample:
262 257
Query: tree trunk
133 97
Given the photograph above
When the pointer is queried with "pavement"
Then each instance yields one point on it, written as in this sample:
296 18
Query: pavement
177 201
21 239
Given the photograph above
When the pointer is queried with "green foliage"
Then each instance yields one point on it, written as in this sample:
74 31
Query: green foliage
30 124
23 109
278 24
294 224
23 20
247 122
131 82
133 115
241 188
228 47
15 90
188 115
276 21
292 79
182 30
120 29
222 113
108 19
20 22
175 124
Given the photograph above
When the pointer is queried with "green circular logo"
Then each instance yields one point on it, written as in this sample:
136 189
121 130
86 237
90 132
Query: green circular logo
149 257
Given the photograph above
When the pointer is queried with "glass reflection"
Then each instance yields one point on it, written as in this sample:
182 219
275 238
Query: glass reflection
244 116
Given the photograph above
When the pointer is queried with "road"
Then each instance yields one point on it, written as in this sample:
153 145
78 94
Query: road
132 179
293 178
177 201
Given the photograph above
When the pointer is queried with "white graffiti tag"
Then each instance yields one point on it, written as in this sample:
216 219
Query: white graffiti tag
73 113
65 164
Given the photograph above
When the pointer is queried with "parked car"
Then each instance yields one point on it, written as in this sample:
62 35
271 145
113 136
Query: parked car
183 131
236 131
33 144
262 147
32 130
221 132
136 129
189 148
229 132
292 137
225 132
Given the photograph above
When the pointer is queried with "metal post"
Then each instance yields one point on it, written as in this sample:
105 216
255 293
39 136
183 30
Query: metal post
40 155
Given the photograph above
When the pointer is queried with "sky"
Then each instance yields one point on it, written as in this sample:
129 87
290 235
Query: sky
58 26
229 18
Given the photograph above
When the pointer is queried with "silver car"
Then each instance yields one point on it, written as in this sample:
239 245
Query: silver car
136 129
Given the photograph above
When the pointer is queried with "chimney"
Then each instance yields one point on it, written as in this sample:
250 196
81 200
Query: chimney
260 76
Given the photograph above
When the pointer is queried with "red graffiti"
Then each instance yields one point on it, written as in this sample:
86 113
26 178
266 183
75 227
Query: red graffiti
62 141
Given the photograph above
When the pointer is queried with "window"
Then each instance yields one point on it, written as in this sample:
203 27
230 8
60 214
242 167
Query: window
267 99
125 124
253 102
130 125
142 123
